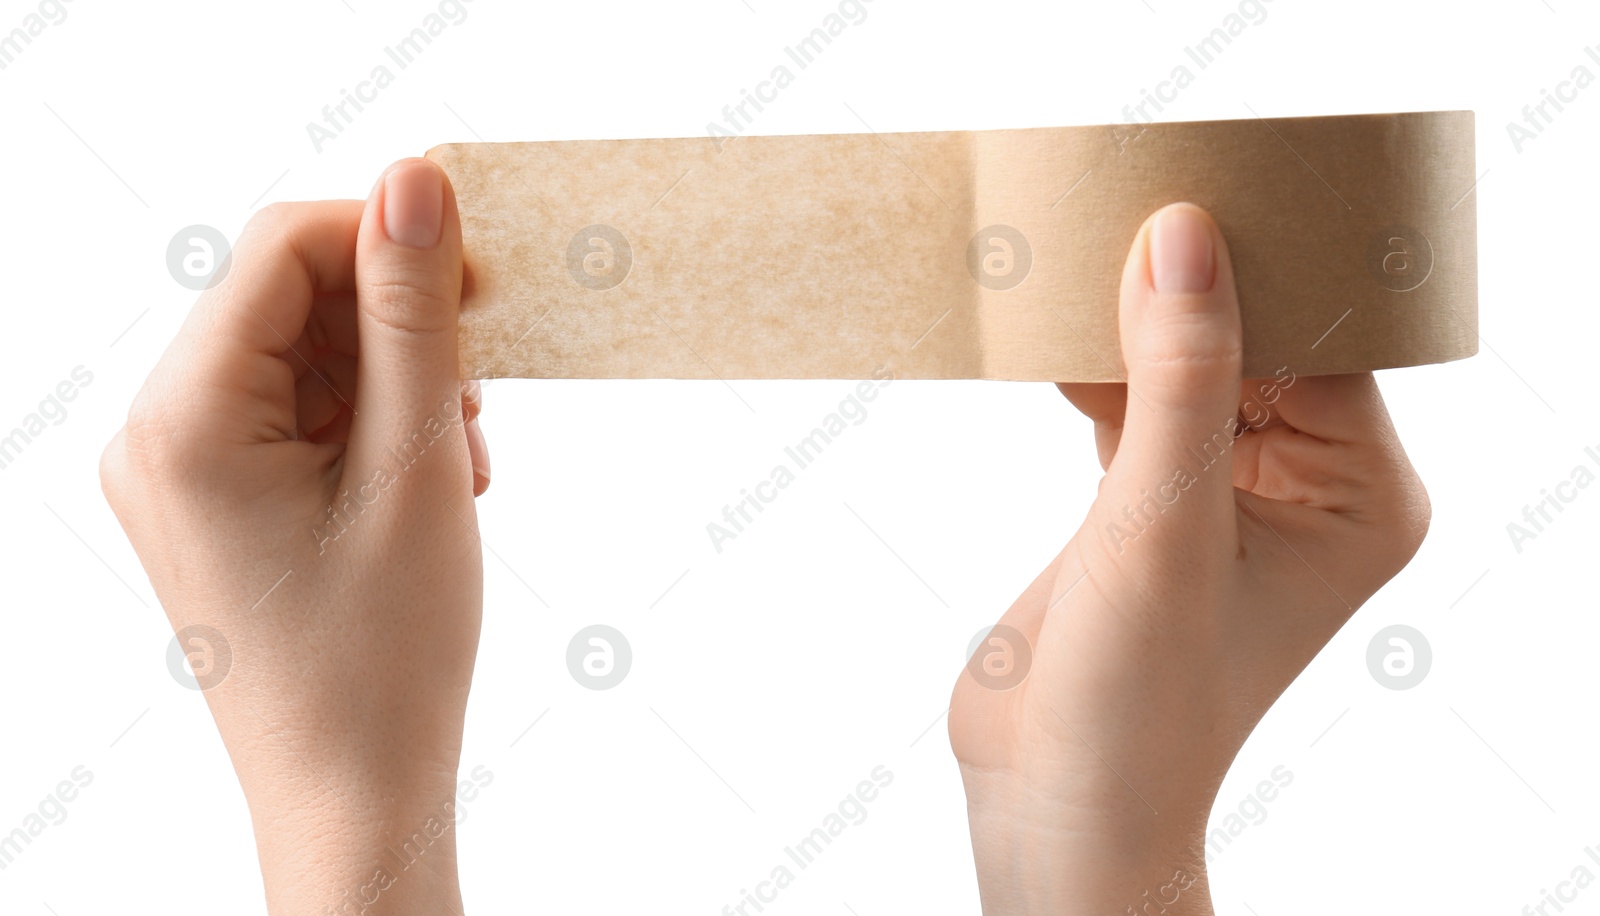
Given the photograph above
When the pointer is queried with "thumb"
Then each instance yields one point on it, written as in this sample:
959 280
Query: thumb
408 293
1172 477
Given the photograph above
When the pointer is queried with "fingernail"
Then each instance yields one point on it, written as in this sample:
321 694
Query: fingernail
1182 258
413 204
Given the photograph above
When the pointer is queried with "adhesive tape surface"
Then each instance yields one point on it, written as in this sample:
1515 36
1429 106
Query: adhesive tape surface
958 254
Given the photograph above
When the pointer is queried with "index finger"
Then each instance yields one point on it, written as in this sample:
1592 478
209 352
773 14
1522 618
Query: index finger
286 254
1105 403
1341 409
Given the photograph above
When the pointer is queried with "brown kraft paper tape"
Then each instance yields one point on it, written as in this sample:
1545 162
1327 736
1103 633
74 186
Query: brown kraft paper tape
958 254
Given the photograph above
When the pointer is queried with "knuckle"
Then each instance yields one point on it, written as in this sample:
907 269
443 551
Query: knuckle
276 227
1188 341
111 470
1415 515
1397 526
154 444
273 219
267 222
1183 350
410 301
156 448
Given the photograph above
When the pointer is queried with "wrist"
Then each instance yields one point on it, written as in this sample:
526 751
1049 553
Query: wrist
1041 851
347 820
362 854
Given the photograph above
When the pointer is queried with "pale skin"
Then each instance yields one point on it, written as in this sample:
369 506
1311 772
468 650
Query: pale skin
1154 656
298 473
343 709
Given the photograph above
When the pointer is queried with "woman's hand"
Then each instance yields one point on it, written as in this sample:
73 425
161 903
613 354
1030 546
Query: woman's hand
297 475
1239 524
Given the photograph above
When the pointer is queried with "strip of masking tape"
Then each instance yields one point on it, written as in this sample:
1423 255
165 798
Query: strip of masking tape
981 254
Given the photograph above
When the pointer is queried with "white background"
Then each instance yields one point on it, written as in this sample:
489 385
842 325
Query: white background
770 679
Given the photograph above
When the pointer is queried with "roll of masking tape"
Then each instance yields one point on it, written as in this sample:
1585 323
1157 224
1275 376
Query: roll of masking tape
956 254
